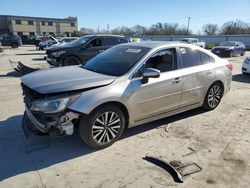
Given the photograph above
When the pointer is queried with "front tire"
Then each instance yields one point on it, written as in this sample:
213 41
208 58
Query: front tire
14 45
102 127
231 54
213 96
71 61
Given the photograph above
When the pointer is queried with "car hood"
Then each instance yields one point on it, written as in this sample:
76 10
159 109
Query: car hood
63 79
223 47
59 47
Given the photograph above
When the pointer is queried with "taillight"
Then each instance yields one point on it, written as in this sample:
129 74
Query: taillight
230 67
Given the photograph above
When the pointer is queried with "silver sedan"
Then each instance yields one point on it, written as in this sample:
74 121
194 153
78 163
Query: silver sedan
124 86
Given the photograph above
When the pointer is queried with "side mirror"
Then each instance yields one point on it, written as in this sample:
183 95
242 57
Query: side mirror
150 73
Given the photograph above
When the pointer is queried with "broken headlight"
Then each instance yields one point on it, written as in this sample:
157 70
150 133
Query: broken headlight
53 105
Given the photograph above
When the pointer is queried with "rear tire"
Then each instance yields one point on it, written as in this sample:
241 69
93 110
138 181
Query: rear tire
242 53
71 61
102 127
213 96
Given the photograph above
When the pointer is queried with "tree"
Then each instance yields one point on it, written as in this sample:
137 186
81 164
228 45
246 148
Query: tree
139 30
123 30
235 27
210 29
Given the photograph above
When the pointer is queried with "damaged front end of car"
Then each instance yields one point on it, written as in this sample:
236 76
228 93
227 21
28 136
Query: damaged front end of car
49 113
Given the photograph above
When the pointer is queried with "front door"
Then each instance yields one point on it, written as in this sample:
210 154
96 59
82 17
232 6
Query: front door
158 95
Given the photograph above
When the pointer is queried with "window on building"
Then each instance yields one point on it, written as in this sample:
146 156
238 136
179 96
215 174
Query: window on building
190 57
43 23
50 23
32 33
30 22
18 22
72 24
20 33
10 22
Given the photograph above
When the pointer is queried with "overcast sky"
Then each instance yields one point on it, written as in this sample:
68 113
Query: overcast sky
92 13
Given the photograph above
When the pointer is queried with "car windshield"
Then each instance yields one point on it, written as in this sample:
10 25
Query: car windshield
79 41
227 43
117 60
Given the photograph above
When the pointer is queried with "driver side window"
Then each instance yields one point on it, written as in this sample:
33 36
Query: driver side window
163 61
95 42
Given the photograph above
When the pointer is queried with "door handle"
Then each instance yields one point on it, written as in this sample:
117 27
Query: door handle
176 80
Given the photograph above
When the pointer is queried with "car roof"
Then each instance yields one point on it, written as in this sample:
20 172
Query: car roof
103 35
188 38
155 44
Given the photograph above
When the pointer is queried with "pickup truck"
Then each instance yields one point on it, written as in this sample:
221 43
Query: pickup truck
194 41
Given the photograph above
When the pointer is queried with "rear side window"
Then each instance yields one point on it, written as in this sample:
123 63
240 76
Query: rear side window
110 41
190 57
206 58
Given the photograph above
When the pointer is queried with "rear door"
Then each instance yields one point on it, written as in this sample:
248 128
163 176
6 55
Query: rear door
198 74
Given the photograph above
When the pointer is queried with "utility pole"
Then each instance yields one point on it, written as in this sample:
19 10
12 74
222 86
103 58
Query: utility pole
188 24
108 27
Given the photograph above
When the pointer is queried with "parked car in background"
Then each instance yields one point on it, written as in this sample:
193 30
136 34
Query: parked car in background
41 39
26 39
246 66
47 44
194 41
11 40
44 44
1 47
79 51
127 85
63 41
229 49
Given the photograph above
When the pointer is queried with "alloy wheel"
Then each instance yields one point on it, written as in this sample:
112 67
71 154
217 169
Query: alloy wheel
106 127
214 96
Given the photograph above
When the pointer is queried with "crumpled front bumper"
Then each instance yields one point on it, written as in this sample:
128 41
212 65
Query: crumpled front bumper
39 126
63 126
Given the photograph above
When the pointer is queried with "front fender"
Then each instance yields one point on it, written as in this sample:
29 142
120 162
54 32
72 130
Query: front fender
89 100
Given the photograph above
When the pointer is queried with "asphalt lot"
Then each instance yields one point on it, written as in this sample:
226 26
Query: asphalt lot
220 139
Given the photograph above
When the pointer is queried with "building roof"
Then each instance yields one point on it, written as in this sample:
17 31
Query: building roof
41 18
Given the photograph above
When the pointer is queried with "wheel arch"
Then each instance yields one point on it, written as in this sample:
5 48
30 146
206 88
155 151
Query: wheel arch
118 104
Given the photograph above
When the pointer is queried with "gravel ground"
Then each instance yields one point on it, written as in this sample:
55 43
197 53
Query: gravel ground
220 139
